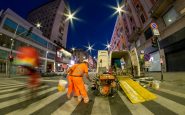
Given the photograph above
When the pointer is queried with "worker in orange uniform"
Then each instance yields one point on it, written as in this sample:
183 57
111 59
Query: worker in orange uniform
77 79
70 83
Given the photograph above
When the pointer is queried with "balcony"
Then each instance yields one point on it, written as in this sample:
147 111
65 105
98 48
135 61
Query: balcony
159 7
134 36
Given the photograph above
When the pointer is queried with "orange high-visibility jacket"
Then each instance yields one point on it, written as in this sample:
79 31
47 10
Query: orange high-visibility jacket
80 70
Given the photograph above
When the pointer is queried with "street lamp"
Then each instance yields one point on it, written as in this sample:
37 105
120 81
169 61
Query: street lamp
71 16
118 9
73 49
46 61
89 47
38 25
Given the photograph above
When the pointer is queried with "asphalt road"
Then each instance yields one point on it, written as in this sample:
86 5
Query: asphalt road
49 101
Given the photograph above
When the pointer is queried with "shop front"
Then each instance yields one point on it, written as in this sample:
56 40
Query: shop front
63 60
3 61
155 62
174 49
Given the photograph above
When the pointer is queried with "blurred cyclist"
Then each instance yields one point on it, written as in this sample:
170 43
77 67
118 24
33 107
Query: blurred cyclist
28 58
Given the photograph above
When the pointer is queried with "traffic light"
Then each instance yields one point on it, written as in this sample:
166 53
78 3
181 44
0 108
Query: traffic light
154 42
29 31
11 58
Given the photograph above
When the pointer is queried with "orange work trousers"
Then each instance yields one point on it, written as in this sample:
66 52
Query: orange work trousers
79 87
70 85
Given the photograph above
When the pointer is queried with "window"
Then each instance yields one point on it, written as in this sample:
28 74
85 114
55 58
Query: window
130 19
134 28
5 41
10 25
148 33
142 18
39 40
170 17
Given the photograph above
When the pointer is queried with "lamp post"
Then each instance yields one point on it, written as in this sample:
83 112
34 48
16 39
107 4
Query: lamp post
46 61
10 57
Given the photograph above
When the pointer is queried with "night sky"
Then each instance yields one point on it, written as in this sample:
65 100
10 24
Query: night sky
96 25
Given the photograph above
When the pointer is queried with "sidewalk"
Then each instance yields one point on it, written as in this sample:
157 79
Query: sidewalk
172 80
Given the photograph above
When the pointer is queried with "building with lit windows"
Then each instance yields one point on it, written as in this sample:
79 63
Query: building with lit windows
53 21
169 15
12 25
79 55
119 40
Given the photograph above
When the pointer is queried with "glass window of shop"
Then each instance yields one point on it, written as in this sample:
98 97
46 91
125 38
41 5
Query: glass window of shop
3 54
21 30
5 41
18 44
52 47
11 26
170 17
39 40
148 33
155 62
51 56
41 52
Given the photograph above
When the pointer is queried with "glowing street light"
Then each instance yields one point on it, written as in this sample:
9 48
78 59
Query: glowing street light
89 47
73 49
71 16
38 25
118 9
107 46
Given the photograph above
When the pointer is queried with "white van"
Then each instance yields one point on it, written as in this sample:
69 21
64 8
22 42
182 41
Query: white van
103 61
124 61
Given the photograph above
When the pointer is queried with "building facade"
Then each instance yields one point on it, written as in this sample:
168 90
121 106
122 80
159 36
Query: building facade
12 27
169 16
119 40
53 21
79 55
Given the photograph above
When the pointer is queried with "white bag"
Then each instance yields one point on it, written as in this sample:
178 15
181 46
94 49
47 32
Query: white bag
62 85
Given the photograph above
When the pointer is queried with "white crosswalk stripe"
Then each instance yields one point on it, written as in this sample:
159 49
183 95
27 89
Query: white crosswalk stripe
67 108
12 86
173 92
13 89
37 105
135 109
100 106
20 92
101 110
7 83
15 101
171 105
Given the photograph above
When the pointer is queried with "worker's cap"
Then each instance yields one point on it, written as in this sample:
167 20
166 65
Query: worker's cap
85 60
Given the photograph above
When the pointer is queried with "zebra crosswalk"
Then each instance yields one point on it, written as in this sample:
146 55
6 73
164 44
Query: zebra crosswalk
51 102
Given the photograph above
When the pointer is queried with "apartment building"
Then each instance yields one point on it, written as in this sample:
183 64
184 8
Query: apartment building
12 27
169 16
53 21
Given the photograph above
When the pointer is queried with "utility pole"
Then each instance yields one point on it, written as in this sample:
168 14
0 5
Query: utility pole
161 59
10 57
155 43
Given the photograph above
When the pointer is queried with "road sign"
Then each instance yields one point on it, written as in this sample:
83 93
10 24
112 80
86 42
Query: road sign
155 31
154 25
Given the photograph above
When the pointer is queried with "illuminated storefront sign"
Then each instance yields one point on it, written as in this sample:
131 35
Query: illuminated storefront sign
63 56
